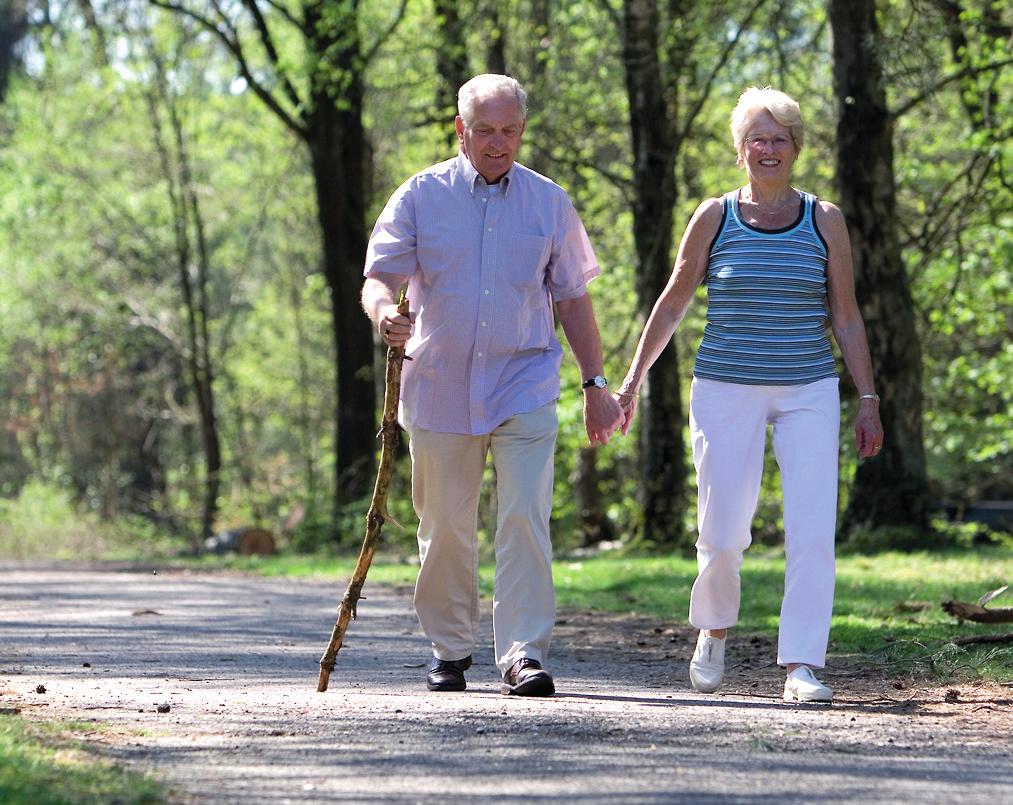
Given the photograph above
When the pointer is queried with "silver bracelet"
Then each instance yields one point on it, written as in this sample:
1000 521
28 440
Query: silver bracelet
869 397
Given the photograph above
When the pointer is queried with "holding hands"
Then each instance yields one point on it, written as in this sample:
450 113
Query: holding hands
602 415
627 400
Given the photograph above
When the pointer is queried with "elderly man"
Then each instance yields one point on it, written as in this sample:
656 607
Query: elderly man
486 247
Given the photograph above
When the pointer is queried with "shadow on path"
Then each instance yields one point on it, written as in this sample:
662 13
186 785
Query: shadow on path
235 659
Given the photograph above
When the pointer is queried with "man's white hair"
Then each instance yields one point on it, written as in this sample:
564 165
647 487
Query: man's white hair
485 86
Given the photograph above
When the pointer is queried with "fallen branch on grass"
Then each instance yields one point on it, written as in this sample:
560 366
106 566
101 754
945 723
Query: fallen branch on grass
984 638
967 611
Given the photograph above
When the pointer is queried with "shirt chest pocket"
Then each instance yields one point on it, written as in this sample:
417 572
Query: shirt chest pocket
524 259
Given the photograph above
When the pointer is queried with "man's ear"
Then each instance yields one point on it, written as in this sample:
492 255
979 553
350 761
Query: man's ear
459 128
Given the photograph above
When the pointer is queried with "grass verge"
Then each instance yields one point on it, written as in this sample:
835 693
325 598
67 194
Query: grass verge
44 764
887 605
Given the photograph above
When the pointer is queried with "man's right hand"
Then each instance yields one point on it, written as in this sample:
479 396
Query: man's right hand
602 415
395 329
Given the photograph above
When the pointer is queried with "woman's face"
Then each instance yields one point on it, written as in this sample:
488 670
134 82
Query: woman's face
767 152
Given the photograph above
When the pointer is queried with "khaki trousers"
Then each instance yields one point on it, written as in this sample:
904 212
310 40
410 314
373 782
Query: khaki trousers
447 471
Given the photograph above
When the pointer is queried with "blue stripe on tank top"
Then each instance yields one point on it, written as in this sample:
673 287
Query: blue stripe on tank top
767 303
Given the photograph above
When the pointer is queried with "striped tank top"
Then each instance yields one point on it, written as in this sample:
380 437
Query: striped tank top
766 303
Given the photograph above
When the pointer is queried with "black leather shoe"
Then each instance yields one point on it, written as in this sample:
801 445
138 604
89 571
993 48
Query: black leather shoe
526 678
448 674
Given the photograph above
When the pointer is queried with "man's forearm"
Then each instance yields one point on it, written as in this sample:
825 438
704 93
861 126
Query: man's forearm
376 295
576 316
602 414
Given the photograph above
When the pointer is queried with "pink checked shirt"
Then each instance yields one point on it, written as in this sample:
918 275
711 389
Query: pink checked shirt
484 264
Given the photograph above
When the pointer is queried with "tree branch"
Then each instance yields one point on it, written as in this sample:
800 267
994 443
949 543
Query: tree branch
725 56
157 322
236 50
967 72
613 13
984 638
966 611
621 183
368 57
272 53
284 12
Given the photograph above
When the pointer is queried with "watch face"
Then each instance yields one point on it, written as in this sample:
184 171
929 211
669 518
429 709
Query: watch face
600 382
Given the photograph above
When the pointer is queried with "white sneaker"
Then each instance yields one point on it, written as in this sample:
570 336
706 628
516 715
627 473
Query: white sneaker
707 668
803 685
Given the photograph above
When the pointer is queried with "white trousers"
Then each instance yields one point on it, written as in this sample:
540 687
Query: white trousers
447 473
728 423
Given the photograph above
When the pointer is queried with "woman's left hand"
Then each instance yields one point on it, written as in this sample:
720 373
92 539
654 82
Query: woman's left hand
868 429
628 402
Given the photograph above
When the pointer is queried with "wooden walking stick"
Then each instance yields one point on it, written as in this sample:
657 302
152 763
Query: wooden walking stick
377 514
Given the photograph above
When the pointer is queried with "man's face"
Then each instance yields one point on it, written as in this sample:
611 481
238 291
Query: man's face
492 138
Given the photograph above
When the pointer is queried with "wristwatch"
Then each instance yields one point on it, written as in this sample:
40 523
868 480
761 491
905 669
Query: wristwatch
597 380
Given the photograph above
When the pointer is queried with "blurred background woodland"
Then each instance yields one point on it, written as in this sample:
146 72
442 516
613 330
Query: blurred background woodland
188 185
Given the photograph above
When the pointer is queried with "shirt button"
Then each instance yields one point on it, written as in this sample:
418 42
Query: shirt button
484 200
486 291
480 354
483 324
490 229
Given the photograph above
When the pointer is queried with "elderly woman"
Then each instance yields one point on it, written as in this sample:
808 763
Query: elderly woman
777 264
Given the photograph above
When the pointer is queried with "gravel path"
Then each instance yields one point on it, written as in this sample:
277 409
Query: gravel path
235 659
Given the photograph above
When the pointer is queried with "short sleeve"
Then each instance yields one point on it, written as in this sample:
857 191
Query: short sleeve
573 262
391 247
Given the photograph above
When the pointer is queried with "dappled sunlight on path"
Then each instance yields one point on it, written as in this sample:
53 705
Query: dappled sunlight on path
232 662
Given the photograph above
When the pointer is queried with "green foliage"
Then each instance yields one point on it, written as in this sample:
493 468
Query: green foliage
40 515
93 355
944 535
43 764
955 206
899 538
95 374
44 521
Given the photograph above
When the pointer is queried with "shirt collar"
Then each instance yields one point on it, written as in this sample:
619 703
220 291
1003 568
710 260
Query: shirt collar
474 179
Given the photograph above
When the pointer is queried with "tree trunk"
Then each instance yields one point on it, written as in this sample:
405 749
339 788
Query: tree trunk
595 526
892 489
337 146
193 267
451 63
540 43
305 417
496 50
203 370
663 460
13 26
329 120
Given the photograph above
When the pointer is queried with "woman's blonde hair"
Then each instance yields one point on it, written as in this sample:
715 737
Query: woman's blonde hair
782 107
